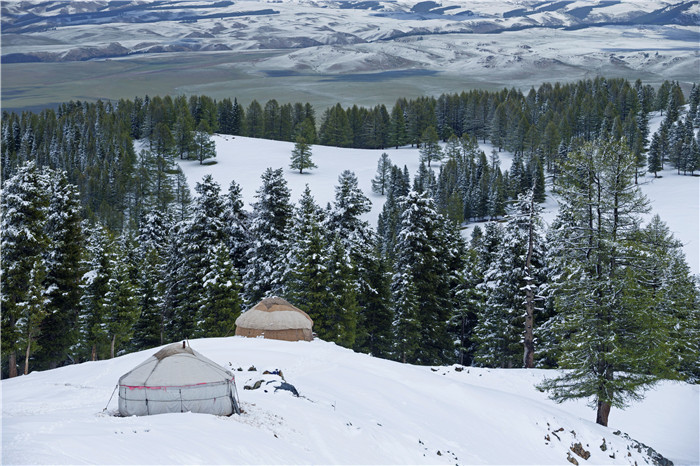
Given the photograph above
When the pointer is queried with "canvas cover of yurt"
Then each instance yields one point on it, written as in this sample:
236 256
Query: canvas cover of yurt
277 319
177 379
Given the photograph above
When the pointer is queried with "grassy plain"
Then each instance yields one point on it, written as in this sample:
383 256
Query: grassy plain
34 86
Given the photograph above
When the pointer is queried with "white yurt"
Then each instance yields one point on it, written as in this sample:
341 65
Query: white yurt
177 379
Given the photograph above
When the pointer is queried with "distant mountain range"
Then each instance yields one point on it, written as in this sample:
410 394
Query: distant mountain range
73 31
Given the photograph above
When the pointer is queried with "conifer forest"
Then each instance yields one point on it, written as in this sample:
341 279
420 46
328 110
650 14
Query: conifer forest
105 250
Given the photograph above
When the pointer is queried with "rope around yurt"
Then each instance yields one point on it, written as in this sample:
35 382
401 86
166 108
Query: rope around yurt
110 398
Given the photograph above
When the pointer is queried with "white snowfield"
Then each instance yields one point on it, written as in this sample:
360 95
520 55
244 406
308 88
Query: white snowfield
353 409
675 198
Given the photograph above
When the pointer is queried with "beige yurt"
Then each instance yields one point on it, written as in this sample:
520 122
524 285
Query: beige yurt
275 318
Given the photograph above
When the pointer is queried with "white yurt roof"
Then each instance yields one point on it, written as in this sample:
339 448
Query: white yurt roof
175 365
274 314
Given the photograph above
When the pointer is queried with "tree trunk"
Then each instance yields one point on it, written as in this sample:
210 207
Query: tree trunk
111 349
461 346
26 357
603 413
94 352
529 340
529 337
12 364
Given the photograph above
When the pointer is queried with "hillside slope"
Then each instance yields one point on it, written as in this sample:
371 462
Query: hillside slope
674 197
353 409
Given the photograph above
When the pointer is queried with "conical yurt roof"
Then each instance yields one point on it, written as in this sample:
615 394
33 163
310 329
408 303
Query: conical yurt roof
175 365
274 314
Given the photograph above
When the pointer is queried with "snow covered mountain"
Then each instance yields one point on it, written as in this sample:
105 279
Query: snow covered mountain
332 36
352 409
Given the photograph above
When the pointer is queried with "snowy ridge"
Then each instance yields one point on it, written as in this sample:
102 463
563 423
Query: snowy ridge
353 409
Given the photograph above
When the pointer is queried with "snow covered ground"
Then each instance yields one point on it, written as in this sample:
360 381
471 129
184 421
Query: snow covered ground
674 197
353 409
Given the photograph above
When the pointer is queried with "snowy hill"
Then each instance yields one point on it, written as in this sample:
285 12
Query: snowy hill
674 197
353 409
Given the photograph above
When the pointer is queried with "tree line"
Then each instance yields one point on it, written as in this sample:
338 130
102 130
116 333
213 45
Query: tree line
83 282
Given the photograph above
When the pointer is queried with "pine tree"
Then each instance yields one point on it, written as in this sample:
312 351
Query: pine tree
654 158
430 149
468 304
63 262
375 314
350 204
236 226
199 235
183 132
397 127
120 302
537 176
204 146
521 265
269 224
93 310
342 311
361 246
307 277
389 221
498 332
183 197
335 128
254 120
149 329
220 303
675 293
33 312
301 156
613 341
380 182
421 283
453 148
25 199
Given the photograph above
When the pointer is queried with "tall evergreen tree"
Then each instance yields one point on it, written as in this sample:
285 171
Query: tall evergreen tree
64 260
421 284
220 302
342 312
359 242
199 235
430 149
99 268
33 312
615 344
381 180
204 146
120 302
25 199
236 226
269 224
149 329
254 120
654 164
675 293
397 127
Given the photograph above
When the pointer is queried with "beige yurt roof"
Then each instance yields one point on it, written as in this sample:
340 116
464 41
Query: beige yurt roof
274 314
